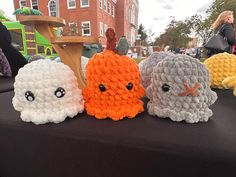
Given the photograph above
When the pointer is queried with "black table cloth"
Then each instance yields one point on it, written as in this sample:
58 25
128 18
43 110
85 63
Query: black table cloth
6 84
141 147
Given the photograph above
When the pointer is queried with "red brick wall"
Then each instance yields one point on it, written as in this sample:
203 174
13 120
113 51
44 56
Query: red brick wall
120 18
94 14
105 18
78 15
43 7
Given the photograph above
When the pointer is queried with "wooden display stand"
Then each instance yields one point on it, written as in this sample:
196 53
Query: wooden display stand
69 48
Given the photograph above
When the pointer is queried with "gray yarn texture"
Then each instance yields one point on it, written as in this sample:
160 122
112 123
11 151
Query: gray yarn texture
175 71
146 66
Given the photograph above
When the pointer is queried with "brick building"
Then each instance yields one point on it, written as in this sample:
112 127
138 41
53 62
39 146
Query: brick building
92 17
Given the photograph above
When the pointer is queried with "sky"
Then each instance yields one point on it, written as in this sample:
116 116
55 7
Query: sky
153 14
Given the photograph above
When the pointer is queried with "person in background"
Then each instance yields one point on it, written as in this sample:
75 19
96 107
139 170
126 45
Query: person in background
10 56
224 25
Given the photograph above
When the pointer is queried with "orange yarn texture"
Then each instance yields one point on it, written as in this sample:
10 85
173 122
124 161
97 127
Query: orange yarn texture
113 87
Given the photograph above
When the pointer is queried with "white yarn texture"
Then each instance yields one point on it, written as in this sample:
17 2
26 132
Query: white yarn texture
175 71
146 66
43 78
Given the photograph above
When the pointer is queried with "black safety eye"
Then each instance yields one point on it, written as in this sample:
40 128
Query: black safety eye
102 88
60 92
29 96
129 86
165 87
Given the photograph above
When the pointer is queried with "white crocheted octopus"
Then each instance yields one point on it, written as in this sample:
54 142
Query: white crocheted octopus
180 90
47 91
146 66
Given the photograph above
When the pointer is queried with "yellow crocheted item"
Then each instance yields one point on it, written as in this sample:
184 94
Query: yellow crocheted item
220 66
113 87
230 82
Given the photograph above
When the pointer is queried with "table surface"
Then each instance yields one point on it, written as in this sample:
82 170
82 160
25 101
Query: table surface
6 84
144 146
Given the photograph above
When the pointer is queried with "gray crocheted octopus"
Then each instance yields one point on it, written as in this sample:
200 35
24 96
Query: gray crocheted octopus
180 90
146 66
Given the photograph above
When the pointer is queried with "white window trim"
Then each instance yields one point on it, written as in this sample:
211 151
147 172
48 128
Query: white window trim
49 11
132 36
82 24
132 15
109 6
101 4
105 9
73 7
113 7
20 3
32 5
101 29
83 6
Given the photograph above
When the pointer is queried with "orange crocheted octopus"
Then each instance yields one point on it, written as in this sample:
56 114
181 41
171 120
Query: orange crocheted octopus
113 85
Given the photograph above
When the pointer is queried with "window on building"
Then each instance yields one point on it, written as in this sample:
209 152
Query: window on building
22 3
128 35
71 4
109 7
73 27
132 37
34 4
101 29
132 15
105 28
100 4
105 5
17 39
113 10
52 8
40 49
84 3
48 51
86 28
127 15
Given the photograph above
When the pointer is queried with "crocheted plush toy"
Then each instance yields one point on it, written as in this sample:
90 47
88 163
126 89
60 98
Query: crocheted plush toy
47 91
230 82
35 58
84 61
220 66
180 90
14 58
146 66
113 84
